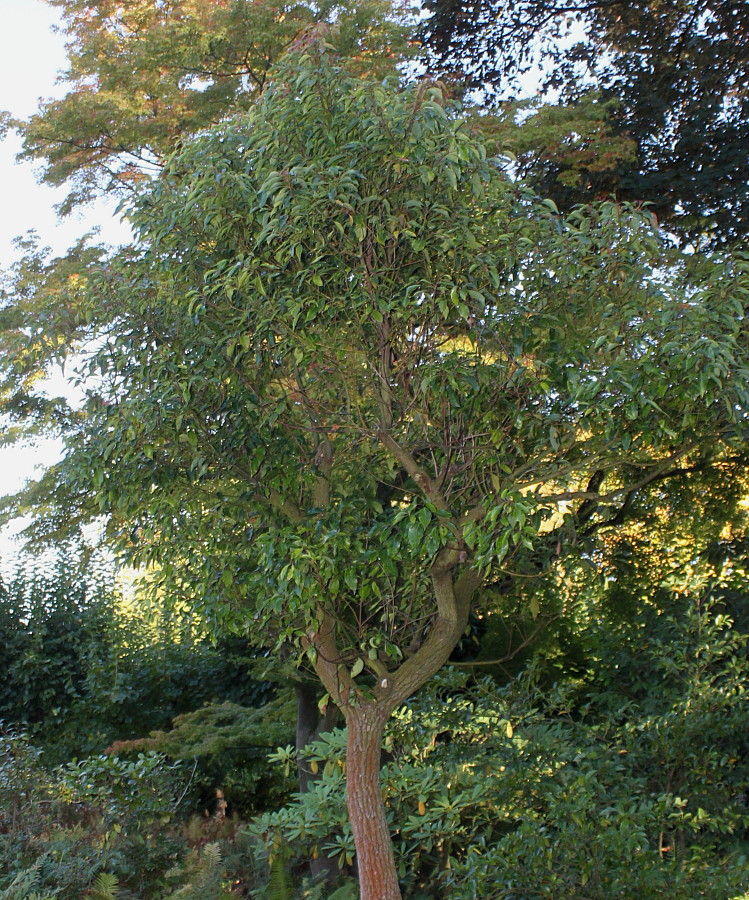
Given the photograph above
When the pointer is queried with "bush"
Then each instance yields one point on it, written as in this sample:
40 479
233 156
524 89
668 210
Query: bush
60 828
229 746
590 791
88 667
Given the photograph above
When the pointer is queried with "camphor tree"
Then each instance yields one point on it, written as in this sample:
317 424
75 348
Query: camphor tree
351 350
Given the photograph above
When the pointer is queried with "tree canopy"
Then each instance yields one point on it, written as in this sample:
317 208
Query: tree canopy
143 76
669 77
351 371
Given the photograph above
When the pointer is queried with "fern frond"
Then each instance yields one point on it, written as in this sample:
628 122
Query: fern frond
278 886
105 887
211 856
205 874
22 886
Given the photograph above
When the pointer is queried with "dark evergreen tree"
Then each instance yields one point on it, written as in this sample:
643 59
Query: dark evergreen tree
672 77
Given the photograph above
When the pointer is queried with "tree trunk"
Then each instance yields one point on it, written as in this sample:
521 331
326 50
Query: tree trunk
310 724
378 878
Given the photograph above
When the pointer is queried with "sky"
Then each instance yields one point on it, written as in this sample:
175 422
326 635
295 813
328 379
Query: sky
31 58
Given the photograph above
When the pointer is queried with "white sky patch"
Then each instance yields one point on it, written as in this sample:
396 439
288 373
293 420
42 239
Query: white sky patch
31 58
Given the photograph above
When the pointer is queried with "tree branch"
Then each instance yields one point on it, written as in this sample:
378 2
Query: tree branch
453 600
406 460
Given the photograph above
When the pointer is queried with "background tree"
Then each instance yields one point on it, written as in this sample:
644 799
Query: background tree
669 77
88 664
143 76
351 351
608 564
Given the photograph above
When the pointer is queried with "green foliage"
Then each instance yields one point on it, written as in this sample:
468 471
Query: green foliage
278 883
145 76
672 78
22 786
23 887
104 887
204 873
351 374
120 787
62 828
50 621
653 805
212 730
570 151
282 258
32 282
89 666
627 781
229 745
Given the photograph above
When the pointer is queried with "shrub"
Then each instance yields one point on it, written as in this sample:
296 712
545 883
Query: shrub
61 828
588 791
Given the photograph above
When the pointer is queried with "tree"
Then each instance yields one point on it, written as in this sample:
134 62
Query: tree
351 369
87 666
145 75
670 77
624 778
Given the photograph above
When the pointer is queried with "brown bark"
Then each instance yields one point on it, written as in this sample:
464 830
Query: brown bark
378 878
366 718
